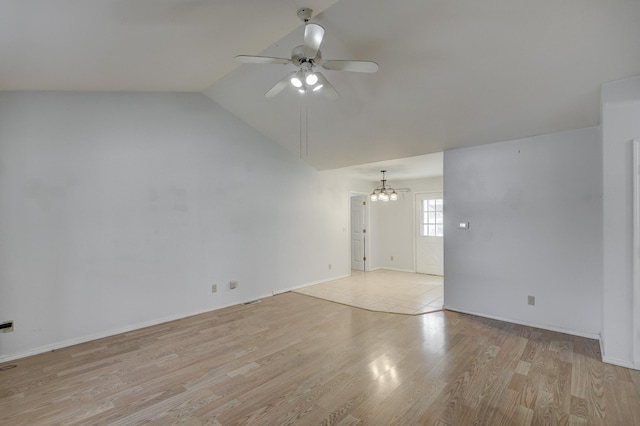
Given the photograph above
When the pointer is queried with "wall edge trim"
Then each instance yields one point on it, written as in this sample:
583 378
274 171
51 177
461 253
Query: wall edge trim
528 323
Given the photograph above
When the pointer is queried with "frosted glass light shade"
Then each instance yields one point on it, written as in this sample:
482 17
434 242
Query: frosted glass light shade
311 79
295 81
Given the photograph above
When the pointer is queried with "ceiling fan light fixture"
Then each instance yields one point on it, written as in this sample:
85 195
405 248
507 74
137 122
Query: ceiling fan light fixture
308 59
296 81
311 79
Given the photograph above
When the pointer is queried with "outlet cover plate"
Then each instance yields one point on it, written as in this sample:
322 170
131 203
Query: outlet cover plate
8 329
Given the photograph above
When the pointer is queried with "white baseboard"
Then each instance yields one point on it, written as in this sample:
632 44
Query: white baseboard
384 268
96 336
618 362
397 269
101 335
528 324
294 288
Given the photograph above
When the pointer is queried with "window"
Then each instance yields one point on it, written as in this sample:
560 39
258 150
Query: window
432 218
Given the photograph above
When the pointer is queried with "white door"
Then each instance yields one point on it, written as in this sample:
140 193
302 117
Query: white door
358 232
430 234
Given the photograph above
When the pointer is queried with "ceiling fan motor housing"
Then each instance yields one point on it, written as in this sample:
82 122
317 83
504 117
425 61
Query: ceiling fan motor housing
298 57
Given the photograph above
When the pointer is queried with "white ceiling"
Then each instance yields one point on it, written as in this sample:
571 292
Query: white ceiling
452 73
135 45
399 169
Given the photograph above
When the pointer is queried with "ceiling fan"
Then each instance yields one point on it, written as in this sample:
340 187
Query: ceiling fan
308 59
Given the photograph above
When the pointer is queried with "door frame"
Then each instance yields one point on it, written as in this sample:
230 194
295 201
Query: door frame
636 254
367 222
415 225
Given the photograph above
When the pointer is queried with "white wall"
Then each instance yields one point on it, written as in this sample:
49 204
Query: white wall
535 212
120 210
620 124
393 228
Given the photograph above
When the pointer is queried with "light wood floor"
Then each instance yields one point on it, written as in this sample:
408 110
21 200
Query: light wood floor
294 359
383 291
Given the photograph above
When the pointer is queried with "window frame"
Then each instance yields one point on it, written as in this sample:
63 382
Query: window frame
429 228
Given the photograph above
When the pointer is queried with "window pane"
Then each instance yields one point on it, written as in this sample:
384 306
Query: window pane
425 230
439 230
431 218
439 217
432 230
439 204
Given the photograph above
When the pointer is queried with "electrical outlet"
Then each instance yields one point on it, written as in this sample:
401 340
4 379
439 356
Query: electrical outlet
233 284
6 326
214 288
531 300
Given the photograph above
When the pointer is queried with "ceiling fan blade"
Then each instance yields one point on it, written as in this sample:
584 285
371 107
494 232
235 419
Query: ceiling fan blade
313 34
353 66
247 59
279 86
327 89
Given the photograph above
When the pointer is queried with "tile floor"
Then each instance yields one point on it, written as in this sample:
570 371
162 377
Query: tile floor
384 291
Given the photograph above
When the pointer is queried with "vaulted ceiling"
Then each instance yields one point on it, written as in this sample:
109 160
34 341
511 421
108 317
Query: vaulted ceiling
452 73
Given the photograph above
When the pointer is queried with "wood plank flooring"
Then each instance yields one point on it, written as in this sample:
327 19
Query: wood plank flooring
295 359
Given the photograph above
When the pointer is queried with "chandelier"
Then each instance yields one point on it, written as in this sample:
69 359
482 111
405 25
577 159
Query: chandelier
384 192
